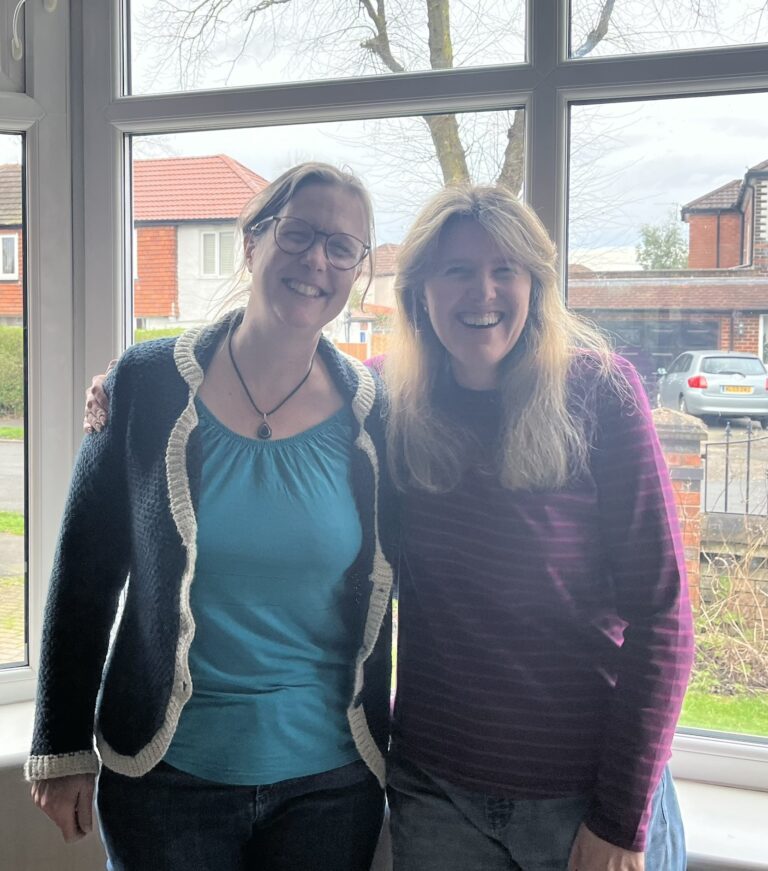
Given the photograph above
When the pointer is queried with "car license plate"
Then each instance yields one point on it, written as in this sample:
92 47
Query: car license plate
736 388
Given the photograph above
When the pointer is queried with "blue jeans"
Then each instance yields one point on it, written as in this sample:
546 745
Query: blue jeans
171 821
440 827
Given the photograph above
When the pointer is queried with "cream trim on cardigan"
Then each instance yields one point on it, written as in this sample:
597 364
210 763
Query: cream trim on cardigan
184 517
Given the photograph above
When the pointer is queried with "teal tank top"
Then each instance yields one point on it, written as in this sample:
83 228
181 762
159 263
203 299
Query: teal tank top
272 659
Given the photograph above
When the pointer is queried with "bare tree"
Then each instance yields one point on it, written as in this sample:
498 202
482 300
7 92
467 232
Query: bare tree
328 37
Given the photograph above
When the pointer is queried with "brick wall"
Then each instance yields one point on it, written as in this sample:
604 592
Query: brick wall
747 334
155 288
706 232
12 292
681 437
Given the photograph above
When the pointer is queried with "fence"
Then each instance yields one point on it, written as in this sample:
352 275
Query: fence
736 474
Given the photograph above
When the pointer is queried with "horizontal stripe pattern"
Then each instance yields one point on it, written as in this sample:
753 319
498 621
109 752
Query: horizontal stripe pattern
545 638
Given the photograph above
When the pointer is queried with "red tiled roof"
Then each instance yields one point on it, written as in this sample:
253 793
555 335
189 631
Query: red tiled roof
724 197
192 188
759 167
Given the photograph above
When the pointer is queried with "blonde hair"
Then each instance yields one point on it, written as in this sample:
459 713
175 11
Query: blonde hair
542 443
275 196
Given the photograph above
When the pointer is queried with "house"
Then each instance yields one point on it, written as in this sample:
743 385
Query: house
382 289
185 243
11 244
719 301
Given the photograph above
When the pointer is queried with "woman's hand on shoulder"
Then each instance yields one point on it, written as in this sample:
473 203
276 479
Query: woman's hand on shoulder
590 853
97 403
68 801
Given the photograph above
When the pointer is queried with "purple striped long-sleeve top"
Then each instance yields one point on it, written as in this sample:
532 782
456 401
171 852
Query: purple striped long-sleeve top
545 638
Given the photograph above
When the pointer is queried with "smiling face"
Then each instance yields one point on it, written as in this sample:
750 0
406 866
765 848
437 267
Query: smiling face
477 299
303 291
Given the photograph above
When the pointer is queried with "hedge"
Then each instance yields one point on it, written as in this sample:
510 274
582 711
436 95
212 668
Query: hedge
11 372
12 365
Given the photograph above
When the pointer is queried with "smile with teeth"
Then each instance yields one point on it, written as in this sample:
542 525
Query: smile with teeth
309 290
480 320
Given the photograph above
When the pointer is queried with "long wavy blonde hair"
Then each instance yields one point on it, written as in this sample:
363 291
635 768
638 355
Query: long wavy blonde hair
542 444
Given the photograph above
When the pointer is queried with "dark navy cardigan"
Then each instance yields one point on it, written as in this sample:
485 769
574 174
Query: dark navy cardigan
130 515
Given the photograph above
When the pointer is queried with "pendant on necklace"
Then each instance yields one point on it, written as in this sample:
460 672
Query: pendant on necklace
264 431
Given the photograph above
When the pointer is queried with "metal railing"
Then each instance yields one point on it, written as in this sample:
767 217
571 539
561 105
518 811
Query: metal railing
736 474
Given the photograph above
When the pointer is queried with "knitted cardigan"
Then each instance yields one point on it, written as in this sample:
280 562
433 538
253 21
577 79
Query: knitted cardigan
130 515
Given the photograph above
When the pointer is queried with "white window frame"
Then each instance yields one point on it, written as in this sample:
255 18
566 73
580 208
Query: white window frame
544 86
52 406
14 274
217 234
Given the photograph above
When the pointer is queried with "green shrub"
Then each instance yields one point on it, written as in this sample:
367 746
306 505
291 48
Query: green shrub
162 333
11 371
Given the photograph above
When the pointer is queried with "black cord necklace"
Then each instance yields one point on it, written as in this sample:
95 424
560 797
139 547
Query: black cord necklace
265 430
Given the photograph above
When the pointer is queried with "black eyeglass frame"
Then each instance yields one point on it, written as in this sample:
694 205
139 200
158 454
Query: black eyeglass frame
259 225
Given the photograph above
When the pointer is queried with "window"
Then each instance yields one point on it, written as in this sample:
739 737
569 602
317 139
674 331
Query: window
13 311
637 26
9 269
218 257
598 142
661 241
186 45
37 346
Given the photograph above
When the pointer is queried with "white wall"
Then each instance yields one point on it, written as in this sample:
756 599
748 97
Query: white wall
30 841
200 297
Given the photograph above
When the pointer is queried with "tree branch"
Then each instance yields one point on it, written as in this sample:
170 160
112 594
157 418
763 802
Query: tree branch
598 32
512 169
378 44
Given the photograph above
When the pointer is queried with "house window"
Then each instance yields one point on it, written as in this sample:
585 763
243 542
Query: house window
218 255
584 84
9 267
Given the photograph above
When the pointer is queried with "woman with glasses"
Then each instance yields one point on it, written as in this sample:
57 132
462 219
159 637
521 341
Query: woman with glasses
240 711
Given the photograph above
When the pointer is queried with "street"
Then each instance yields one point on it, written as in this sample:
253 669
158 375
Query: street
11 476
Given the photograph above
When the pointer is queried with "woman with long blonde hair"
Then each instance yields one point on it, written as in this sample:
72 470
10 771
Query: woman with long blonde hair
544 630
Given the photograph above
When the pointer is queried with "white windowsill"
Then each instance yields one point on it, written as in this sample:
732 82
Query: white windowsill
725 826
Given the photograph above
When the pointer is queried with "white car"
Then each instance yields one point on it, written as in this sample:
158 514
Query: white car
716 384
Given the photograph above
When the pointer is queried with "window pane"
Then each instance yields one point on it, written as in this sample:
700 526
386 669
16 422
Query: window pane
9 256
670 256
639 26
201 191
187 44
13 592
226 253
209 253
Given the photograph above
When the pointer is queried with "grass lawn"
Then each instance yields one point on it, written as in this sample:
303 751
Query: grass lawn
12 522
12 432
746 715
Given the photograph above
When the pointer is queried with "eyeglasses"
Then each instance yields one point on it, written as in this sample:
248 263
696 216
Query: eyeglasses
295 236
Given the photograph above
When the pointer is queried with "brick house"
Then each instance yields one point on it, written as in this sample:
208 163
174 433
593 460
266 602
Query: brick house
11 244
719 301
185 246
185 250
